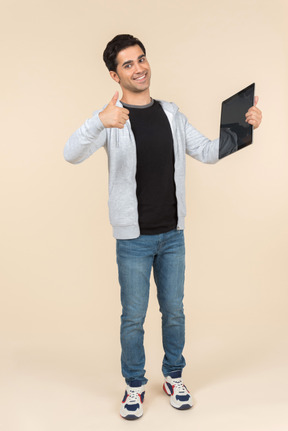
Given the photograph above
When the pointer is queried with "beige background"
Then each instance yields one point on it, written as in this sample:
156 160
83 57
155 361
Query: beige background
60 310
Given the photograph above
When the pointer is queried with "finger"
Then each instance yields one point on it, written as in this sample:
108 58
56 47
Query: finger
114 98
250 114
252 118
122 121
255 124
254 121
256 98
253 110
249 117
125 111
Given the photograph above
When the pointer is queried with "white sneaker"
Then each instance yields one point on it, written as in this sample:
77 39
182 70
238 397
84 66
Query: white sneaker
180 397
132 403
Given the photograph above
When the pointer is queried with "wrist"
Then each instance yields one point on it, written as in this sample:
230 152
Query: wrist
99 122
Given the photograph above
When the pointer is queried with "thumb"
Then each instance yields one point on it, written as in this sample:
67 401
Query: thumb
114 98
256 98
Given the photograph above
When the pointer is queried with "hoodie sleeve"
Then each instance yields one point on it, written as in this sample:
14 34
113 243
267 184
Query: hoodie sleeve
198 146
86 140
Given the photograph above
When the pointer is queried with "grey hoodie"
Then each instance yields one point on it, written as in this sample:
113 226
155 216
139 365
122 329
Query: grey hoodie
121 150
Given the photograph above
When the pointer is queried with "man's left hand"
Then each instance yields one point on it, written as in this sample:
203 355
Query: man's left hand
254 115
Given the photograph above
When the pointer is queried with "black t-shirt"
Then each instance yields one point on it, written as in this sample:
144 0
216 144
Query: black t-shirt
157 204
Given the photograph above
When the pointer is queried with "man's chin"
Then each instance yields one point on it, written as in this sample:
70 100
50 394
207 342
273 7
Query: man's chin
142 87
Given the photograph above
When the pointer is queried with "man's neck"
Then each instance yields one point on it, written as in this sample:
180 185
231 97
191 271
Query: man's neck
136 98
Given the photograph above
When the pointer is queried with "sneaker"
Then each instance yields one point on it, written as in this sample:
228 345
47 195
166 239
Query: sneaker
180 397
132 403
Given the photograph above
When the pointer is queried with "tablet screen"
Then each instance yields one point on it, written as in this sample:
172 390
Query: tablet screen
235 133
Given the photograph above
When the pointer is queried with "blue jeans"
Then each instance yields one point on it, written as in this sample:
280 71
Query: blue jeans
135 257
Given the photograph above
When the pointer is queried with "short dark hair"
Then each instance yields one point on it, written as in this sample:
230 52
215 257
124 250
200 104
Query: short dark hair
119 42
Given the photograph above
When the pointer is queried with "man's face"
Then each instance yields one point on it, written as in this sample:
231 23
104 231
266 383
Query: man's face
133 71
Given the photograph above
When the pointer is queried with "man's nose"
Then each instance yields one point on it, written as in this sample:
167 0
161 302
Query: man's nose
138 67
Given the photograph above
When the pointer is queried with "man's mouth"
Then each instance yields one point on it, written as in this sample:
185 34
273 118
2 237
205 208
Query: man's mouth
141 78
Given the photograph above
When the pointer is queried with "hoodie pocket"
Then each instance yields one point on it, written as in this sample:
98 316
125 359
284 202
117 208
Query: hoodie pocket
123 204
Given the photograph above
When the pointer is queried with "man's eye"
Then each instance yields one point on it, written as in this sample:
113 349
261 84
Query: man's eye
142 59
127 66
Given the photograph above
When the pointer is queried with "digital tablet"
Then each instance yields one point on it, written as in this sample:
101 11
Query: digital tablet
235 133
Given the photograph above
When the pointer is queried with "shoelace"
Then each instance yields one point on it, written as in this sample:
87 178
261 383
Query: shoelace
132 396
179 387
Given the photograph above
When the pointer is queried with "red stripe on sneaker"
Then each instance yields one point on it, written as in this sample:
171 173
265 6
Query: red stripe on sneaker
125 398
165 390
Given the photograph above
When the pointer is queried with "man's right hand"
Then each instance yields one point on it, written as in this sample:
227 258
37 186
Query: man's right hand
114 116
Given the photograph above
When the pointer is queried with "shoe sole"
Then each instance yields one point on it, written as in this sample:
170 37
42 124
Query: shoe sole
130 416
184 407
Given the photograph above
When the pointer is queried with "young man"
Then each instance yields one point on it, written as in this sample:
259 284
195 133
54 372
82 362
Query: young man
146 142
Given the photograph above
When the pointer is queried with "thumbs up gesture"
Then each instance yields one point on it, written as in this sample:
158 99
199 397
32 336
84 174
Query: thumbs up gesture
114 116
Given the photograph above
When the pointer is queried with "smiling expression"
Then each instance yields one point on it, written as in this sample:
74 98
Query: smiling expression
133 70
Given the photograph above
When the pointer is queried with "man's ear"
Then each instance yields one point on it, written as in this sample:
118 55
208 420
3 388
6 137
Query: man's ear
114 76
